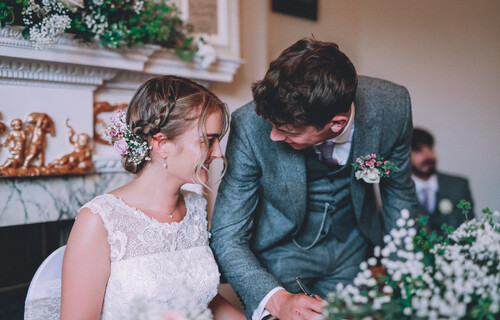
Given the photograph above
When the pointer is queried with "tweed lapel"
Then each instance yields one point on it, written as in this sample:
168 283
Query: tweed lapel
292 169
366 140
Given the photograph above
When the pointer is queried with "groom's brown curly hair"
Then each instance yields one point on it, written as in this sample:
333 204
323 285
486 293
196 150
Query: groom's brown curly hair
308 84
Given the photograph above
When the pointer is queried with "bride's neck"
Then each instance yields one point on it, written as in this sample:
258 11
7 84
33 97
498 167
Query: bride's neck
155 188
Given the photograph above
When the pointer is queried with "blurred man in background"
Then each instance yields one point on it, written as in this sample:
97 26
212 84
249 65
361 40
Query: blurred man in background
438 193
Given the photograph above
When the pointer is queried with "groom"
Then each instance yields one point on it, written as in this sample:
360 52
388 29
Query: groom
290 205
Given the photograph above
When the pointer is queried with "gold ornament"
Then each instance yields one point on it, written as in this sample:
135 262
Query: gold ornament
78 161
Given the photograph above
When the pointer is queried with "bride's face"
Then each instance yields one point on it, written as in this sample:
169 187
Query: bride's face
190 149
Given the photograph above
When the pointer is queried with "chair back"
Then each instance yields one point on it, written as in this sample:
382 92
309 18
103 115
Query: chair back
44 292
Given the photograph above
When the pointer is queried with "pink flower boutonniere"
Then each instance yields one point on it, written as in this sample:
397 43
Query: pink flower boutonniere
371 168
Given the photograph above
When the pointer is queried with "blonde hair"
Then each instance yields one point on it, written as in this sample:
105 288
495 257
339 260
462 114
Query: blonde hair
170 105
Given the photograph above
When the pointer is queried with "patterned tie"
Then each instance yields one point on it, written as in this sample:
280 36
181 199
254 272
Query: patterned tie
326 155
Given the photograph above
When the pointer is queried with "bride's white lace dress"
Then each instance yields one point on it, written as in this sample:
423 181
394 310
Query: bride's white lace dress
152 261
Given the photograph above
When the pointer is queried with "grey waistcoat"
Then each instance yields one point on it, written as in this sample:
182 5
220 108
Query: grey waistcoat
330 214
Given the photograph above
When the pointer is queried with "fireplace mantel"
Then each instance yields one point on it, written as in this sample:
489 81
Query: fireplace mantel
20 61
64 81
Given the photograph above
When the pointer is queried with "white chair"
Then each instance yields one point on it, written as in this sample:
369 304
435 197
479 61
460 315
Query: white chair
43 300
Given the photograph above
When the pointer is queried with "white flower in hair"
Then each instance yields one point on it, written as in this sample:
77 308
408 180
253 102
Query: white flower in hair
124 141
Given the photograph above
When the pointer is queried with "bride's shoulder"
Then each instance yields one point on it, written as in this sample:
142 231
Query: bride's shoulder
192 198
101 203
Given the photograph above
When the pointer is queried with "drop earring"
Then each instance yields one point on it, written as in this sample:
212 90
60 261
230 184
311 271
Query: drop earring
165 163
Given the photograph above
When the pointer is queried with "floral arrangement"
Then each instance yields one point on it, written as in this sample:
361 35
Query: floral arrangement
427 277
186 309
114 24
371 168
124 141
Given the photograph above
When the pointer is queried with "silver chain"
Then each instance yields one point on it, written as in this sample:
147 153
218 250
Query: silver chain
145 206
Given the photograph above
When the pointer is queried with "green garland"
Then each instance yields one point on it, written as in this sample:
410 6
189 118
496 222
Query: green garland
115 24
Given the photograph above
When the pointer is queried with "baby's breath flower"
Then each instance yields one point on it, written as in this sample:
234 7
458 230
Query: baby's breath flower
463 274
124 141
46 21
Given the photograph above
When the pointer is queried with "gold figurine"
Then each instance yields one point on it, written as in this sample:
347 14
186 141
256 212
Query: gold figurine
39 125
27 145
78 161
16 144
3 127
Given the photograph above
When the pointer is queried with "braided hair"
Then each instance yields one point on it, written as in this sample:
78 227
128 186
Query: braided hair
170 105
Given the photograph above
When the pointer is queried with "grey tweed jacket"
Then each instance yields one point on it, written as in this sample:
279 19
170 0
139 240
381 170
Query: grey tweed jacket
261 200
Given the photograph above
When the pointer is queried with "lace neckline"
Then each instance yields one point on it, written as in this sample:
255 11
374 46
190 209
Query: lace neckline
144 216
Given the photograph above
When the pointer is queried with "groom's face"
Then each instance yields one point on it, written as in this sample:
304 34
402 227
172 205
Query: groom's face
308 136
300 138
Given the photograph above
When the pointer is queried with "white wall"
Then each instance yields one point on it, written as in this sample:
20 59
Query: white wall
253 38
446 52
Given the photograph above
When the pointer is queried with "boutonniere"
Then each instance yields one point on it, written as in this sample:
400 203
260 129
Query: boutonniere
371 168
445 206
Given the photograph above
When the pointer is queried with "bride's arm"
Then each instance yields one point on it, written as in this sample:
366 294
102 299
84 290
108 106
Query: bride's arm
86 268
223 310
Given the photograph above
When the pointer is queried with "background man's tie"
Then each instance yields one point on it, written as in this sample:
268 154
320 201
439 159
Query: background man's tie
427 200
326 155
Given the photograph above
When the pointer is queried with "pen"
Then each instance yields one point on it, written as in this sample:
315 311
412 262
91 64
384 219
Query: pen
303 286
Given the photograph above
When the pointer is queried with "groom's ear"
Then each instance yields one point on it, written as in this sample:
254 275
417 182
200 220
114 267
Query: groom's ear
339 122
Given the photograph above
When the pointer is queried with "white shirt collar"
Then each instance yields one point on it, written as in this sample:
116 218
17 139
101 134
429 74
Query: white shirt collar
431 183
344 136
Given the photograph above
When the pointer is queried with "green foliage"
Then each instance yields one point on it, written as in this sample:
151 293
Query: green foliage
115 24
465 206
159 24
10 11
422 220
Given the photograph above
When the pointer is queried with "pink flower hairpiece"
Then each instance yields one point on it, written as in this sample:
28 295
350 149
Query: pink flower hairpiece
371 168
124 141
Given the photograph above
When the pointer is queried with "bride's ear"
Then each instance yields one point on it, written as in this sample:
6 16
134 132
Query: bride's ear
161 144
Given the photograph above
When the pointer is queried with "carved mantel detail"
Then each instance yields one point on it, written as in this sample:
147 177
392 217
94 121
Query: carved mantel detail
17 71
72 58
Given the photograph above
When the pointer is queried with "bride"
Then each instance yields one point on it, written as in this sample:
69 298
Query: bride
148 239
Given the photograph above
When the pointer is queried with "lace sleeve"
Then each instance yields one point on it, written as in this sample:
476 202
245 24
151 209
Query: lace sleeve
105 206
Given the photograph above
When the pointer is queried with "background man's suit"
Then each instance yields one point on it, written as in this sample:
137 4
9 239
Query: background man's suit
261 202
451 189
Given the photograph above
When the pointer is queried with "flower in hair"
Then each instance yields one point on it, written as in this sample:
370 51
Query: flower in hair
121 147
124 141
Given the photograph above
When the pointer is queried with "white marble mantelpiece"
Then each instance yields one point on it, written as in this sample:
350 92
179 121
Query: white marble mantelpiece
64 81
42 199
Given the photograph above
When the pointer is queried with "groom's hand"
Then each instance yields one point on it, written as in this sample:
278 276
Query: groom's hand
288 306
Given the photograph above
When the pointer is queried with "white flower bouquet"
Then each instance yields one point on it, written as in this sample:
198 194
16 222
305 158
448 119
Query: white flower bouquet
420 276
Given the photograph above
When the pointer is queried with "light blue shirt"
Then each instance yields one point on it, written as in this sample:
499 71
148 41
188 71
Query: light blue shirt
431 185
